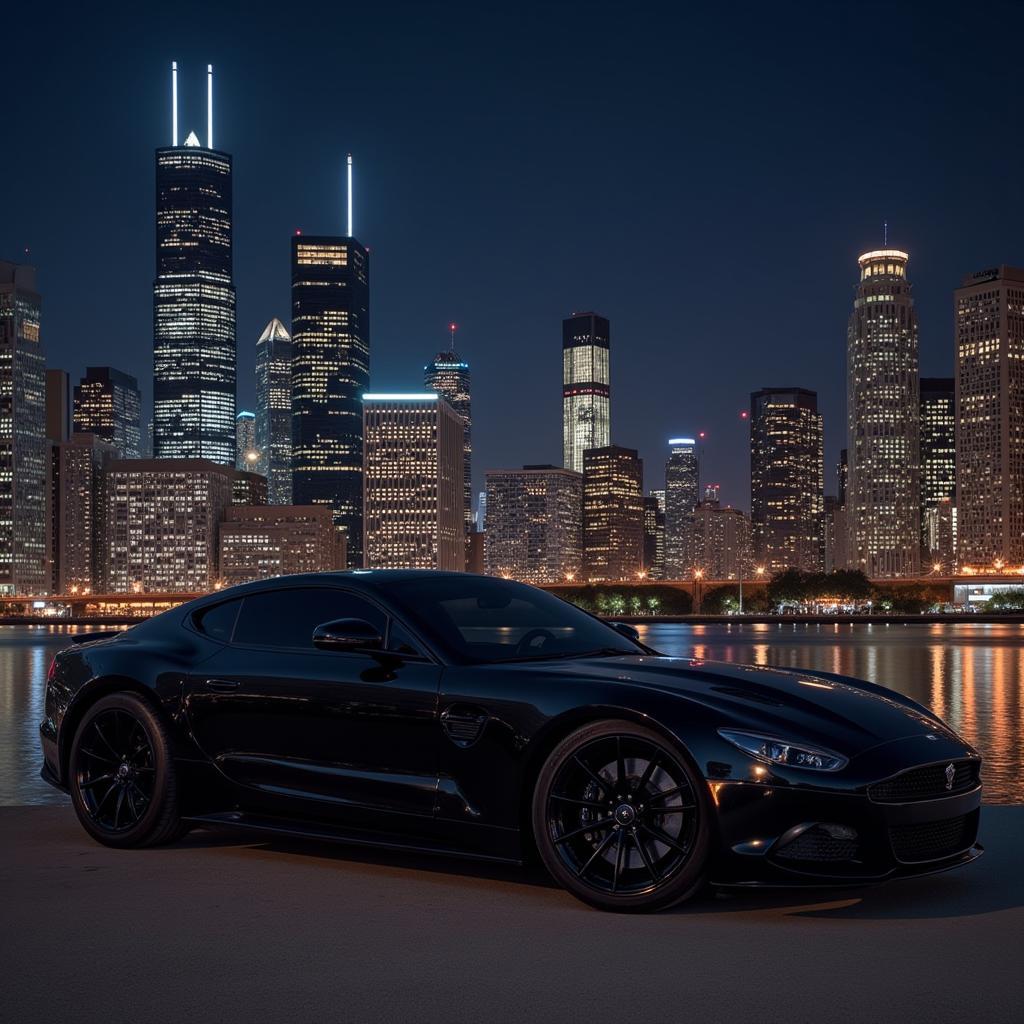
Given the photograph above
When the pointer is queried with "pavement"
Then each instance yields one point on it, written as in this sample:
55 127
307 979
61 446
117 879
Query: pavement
225 927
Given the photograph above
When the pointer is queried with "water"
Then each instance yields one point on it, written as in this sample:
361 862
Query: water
972 674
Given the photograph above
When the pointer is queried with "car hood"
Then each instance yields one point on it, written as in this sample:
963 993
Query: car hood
845 715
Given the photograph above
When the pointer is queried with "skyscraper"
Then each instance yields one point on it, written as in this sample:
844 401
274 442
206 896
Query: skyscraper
989 310
413 483
448 376
246 454
938 451
274 411
721 541
613 513
108 405
883 425
194 300
330 374
654 535
586 387
535 527
787 479
58 405
23 448
682 491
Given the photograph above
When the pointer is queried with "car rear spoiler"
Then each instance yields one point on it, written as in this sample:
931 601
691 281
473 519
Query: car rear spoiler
102 634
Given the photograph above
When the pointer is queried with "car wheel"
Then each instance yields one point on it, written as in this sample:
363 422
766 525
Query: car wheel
620 818
122 777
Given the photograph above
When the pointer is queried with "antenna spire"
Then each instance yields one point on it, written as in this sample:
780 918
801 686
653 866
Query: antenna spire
451 330
885 234
209 106
174 102
349 177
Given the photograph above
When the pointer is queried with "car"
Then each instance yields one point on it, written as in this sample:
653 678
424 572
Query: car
481 717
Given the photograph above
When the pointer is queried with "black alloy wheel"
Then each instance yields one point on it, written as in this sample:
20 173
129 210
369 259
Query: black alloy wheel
122 779
619 818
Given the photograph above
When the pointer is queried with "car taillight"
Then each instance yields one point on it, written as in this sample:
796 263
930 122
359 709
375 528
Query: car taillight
52 670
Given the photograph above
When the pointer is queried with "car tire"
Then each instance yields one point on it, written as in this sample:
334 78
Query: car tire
122 778
620 818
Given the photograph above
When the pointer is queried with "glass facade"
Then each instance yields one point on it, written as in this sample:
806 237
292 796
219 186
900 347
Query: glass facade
246 454
586 387
193 306
682 492
274 411
448 376
108 405
938 460
883 420
330 375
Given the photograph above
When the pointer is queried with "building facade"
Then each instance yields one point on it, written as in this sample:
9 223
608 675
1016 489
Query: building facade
247 456
274 411
586 387
58 406
261 541
448 376
682 492
330 375
194 306
108 405
162 522
938 452
413 493
787 479
534 530
613 514
23 448
989 312
654 535
721 542
883 499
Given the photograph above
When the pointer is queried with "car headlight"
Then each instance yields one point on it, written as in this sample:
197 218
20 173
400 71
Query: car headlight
792 755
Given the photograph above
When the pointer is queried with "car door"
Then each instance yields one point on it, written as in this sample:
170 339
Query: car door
334 734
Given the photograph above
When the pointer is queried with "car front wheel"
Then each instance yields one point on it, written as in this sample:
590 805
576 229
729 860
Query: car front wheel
619 818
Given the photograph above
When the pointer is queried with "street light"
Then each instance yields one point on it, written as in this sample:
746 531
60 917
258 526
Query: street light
698 575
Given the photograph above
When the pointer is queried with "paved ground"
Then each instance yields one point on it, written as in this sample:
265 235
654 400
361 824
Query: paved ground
226 929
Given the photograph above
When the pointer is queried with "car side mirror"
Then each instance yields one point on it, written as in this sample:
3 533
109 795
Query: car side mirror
628 631
347 635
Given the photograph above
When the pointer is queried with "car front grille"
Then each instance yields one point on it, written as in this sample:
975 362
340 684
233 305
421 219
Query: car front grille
934 840
926 783
818 844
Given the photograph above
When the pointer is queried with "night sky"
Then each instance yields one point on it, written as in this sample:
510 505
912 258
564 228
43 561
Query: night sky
704 178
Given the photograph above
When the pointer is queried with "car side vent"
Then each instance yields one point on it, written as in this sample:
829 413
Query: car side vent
463 724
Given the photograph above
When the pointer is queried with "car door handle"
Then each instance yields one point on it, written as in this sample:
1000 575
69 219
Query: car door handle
222 685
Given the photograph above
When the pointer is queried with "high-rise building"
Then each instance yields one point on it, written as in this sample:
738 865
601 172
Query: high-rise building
330 374
535 524
247 456
23 447
938 448
787 479
682 492
586 387
721 542
249 488
940 537
274 411
835 536
842 477
413 483
108 405
194 301
448 376
260 541
654 535
989 310
162 524
883 500
613 513
58 406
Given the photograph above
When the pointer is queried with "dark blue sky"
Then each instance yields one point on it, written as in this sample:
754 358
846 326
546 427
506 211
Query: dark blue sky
705 177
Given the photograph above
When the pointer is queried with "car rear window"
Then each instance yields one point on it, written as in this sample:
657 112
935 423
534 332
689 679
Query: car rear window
218 620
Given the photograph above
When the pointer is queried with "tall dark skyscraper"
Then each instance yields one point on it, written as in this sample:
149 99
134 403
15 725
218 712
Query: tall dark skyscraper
274 411
108 405
682 492
330 375
613 513
787 472
193 299
586 387
448 376
938 447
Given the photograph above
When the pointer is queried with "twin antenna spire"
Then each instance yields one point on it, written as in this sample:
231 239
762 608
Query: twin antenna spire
174 104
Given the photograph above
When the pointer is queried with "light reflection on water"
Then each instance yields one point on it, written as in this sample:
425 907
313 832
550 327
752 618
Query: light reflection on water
972 674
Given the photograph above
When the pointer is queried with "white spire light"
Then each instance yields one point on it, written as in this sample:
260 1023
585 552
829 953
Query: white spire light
349 195
174 102
209 106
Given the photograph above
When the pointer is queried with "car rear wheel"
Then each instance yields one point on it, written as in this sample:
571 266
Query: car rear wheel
122 777
620 818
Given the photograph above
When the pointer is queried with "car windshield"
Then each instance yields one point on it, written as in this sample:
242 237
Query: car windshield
477 620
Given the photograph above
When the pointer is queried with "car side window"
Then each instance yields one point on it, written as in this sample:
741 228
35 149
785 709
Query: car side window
218 621
287 617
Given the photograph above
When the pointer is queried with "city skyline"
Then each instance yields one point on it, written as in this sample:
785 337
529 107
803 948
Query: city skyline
572 268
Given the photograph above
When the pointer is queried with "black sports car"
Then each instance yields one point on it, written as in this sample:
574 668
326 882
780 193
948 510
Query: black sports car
481 717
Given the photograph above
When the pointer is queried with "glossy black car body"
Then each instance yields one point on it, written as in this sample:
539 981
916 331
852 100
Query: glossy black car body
412 746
